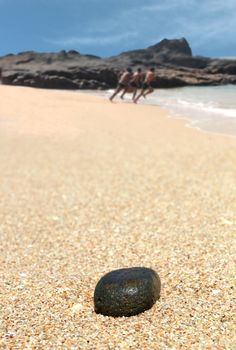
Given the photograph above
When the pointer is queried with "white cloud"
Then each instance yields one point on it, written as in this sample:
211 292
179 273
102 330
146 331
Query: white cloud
167 5
93 40
201 22
199 5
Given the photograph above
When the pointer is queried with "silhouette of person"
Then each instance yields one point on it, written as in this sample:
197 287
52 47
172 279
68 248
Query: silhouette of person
147 84
134 84
123 82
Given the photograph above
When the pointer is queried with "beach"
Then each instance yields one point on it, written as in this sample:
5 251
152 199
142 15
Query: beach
88 186
208 108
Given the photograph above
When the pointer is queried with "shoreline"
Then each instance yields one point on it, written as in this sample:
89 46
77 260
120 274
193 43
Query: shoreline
88 186
190 123
223 129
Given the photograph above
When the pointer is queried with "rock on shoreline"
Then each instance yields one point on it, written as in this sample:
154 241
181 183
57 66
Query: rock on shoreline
175 66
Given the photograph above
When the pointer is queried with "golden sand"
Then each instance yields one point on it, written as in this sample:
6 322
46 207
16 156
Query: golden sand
88 186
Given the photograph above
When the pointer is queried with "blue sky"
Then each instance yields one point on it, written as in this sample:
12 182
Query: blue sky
108 27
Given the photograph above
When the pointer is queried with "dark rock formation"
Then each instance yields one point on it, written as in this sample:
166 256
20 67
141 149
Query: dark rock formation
172 47
127 292
175 66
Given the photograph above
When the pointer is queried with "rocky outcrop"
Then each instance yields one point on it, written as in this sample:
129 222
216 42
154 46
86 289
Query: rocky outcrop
175 66
179 47
53 79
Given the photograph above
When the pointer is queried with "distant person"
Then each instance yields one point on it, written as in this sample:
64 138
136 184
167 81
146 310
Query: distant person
123 82
147 84
135 83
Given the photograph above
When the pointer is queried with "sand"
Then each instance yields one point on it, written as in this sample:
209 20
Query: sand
88 186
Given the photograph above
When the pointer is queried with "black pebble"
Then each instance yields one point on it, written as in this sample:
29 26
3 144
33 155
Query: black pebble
127 292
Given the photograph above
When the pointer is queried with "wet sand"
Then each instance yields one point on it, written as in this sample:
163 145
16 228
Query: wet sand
88 186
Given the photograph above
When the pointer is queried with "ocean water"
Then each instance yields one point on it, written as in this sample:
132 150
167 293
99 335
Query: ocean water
210 108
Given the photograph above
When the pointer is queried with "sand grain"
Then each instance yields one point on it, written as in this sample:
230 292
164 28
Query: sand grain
87 186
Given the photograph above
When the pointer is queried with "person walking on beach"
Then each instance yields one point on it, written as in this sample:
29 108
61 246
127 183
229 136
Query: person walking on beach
147 84
134 84
123 82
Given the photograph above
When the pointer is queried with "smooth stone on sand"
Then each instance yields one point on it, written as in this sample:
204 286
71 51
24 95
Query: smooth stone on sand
127 292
